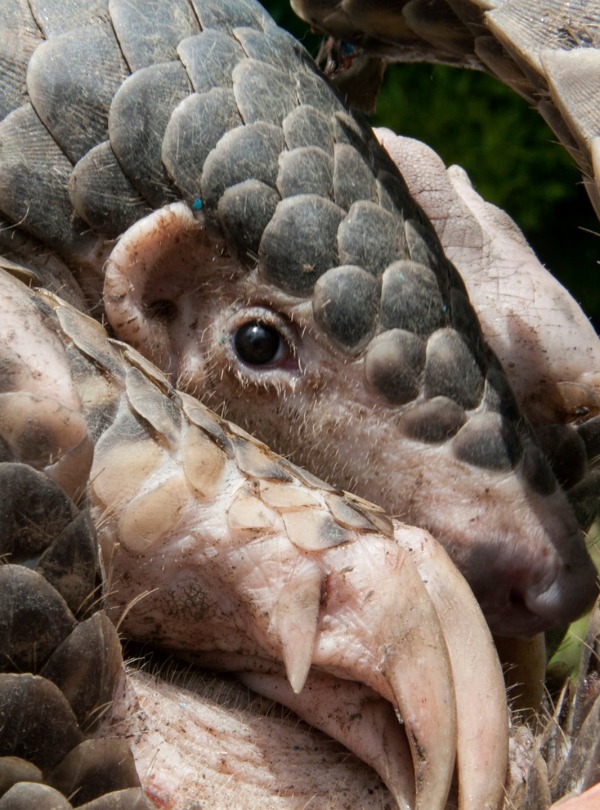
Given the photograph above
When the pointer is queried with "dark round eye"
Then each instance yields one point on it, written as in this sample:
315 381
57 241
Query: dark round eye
258 344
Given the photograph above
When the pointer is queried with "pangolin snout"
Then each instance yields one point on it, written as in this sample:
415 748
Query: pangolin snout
543 593
570 593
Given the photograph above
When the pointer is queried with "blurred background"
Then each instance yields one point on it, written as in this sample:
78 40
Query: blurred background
511 156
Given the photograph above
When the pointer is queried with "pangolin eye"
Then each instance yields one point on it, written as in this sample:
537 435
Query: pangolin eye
259 344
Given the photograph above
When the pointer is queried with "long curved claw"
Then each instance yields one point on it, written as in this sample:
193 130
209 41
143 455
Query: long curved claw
480 691
379 606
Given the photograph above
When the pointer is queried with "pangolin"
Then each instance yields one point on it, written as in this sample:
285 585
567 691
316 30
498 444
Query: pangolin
259 246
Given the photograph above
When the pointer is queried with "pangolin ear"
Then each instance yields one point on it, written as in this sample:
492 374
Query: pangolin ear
153 266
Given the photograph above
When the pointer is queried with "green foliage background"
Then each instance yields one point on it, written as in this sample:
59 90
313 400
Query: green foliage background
511 156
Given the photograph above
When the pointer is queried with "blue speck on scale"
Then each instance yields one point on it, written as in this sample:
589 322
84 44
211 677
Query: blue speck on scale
197 204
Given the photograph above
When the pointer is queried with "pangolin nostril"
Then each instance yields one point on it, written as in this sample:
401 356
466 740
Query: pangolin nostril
570 594
517 600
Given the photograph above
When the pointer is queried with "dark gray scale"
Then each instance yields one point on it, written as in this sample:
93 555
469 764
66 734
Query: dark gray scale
537 471
566 452
102 195
589 432
16 17
87 667
34 619
353 178
244 212
55 17
37 722
70 562
5 452
23 795
411 299
437 23
193 131
210 58
394 364
387 199
346 303
371 237
33 170
274 46
231 14
583 498
394 193
434 421
149 31
498 395
451 370
464 320
312 90
71 82
27 499
263 93
95 767
138 117
307 126
423 246
488 440
129 799
248 152
14 770
16 48
299 243
306 170
348 131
